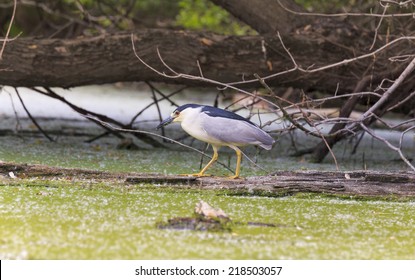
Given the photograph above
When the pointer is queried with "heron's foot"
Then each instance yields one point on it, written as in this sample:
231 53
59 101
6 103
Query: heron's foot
234 177
196 175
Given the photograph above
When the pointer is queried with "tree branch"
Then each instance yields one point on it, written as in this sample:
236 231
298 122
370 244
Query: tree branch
6 38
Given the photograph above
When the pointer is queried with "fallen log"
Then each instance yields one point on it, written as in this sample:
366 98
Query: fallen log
31 62
351 183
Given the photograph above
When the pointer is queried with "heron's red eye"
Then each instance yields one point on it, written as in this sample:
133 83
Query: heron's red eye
176 113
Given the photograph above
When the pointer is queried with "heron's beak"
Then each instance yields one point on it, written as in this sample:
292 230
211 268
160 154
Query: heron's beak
165 122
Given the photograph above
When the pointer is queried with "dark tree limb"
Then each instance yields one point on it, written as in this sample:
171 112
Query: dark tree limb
32 118
29 62
265 16
102 118
321 149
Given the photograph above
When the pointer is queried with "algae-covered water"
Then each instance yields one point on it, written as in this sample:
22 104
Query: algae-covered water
62 220
75 219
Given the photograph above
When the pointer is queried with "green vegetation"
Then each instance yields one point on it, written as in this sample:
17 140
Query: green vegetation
203 15
66 220
90 17
335 6
71 218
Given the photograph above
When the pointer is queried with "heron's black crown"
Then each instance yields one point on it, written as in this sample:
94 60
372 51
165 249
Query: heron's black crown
215 112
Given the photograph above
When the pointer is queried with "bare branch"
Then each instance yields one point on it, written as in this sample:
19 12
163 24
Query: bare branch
343 121
310 69
402 101
32 118
388 93
176 75
378 26
390 145
8 29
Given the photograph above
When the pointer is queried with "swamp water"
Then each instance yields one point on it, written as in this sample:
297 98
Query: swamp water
75 219
64 221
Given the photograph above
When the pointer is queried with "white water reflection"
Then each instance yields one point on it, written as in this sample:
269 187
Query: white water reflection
121 103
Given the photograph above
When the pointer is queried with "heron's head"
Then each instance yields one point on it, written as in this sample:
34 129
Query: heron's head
181 113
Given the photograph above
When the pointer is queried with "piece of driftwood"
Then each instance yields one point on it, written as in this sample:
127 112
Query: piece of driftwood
361 183
205 218
208 218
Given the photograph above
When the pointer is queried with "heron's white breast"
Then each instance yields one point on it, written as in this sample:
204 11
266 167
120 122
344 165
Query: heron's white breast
193 125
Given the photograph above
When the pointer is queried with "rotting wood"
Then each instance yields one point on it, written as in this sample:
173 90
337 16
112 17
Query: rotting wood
157 179
359 183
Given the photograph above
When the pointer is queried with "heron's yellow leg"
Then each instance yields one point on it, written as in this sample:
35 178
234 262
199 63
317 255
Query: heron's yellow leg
214 158
238 162
212 161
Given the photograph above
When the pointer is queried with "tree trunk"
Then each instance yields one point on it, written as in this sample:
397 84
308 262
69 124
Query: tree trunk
265 16
29 62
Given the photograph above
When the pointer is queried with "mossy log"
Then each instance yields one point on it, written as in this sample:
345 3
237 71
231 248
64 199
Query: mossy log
358 183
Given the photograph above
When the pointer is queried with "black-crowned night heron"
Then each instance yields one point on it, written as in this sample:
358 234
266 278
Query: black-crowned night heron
219 128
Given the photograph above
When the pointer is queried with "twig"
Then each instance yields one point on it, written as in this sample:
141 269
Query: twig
200 68
254 163
8 30
157 107
284 112
167 97
397 149
32 118
106 133
18 125
359 140
378 26
309 69
298 125
406 99
347 61
175 75
387 94
83 112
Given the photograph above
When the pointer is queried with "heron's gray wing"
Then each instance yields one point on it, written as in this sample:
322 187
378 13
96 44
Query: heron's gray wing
236 132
